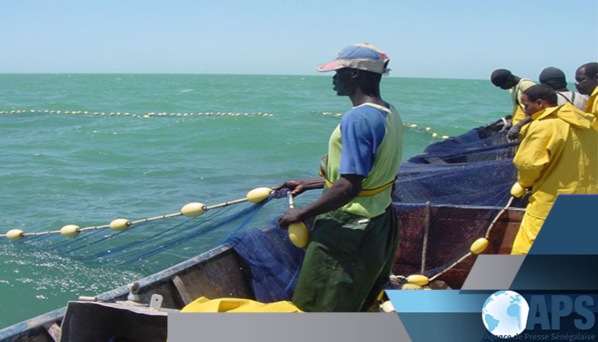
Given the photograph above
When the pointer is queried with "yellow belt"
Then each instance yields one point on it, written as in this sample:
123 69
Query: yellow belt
363 193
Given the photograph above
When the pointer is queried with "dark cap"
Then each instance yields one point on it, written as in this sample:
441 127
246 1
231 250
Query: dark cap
500 77
553 76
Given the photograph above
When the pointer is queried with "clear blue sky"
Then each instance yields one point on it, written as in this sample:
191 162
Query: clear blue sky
444 39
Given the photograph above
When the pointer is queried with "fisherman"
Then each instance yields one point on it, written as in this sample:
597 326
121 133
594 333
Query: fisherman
555 78
355 235
586 78
558 155
516 85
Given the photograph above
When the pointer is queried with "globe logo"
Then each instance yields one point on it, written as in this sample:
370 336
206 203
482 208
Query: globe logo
505 314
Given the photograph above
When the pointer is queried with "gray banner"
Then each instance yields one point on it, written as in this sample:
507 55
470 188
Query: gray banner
287 327
493 272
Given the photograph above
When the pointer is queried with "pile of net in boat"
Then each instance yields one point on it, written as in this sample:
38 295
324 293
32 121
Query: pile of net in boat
475 168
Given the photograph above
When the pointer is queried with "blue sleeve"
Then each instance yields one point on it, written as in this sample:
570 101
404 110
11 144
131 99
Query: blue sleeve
362 131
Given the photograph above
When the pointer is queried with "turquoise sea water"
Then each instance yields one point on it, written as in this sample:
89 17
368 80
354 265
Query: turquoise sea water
86 149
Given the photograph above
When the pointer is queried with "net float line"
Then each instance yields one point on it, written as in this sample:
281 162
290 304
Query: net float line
192 209
135 115
413 126
420 281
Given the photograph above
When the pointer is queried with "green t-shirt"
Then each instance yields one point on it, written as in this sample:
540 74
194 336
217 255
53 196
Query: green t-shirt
367 142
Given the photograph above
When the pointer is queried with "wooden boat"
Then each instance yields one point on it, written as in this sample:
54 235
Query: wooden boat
429 234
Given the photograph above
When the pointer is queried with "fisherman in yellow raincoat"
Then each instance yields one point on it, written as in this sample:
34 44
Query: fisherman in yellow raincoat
558 155
516 85
586 82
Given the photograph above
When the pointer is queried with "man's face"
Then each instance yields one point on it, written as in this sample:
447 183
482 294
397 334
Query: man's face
585 84
506 85
530 107
342 82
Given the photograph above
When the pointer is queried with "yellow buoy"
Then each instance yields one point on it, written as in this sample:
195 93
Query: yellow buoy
517 190
299 234
387 306
258 194
409 286
193 209
418 279
70 230
479 245
15 234
120 224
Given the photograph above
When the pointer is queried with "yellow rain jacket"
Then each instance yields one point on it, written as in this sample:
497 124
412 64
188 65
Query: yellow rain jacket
558 155
592 107
516 92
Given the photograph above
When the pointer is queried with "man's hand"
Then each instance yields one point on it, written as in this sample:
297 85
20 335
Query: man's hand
291 216
298 186
513 133
342 192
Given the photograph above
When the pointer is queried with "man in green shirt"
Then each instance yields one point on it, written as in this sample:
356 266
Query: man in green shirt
355 233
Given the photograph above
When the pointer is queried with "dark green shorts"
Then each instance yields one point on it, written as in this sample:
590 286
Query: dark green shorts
347 262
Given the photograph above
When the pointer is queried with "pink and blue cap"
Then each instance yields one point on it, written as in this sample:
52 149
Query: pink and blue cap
359 56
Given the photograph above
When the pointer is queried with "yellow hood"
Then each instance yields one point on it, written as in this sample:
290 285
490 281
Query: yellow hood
568 113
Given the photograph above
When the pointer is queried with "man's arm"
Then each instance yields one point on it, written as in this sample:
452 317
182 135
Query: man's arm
513 133
298 186
536 151
343 191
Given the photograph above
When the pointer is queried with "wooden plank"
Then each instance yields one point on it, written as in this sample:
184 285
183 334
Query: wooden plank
221 277
180 286
54 332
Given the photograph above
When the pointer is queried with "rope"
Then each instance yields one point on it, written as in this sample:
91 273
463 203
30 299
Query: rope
186 114
408 125
427 130
499 215
291 201
255 196
135 115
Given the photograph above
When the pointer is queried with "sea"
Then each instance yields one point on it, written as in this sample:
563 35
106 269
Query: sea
86 149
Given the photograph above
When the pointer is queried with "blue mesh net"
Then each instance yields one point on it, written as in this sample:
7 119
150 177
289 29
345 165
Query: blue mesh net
154 245
273 262
475 168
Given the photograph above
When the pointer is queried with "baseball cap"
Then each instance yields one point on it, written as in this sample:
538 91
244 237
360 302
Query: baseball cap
358 56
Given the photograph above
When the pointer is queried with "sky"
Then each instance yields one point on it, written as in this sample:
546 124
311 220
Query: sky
433 39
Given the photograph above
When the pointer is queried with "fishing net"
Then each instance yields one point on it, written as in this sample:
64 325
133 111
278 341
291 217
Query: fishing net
156 244
475 168
272 261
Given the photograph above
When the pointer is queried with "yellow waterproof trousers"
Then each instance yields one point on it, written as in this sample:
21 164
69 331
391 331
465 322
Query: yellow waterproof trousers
529 229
